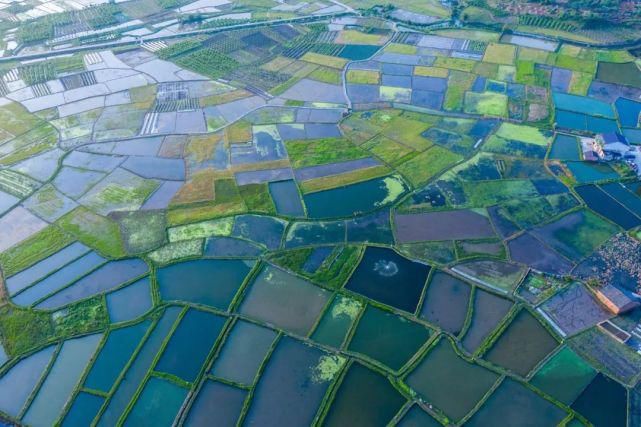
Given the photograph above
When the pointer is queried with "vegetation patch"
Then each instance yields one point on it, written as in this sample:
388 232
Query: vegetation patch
39 246
343 179
458 83
27 329
142 231
365 77
497 53
324 60
486 104
404 49
428 164
303 153
431 71
257 198
94 230
177 250
219 227
459 64
326 75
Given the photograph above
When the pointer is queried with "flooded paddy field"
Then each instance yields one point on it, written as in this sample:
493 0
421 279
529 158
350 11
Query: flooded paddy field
328 223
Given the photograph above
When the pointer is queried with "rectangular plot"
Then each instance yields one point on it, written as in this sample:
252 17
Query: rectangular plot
574 309
114 355
564 376
190 344
286 198
513 404
262 176
577 234
450 225
449 382
583 104
388 338
322 130
216 401
136 373
156 167
522 345
600 202
624 196
294 374
107 277
311 172
158 404
59 279
243 352
488 310
61 380
45 267
161 198
264 300
83 410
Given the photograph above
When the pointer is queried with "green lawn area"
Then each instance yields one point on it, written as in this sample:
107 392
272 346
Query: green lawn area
486 104
408 132
367 77
580 83
16 120
257 198
303 153
527 73
458 84
431 71
357 37
388 150
37 247
460 64
326 75
488 193
94 230
343 179
26 329
428 164
576 64
324 60
405 49
498 53
535 55
523 133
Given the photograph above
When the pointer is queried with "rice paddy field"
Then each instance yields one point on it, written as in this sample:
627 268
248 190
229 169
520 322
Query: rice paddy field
336 223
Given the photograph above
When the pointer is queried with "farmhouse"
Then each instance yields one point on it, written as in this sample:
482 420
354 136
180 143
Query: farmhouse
612 145
616 300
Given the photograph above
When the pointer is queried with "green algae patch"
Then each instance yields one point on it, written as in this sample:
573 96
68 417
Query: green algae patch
216 227
177 250
327 368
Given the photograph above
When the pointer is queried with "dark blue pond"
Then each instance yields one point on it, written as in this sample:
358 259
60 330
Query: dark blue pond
601 203
385 276
353 199
190 344
286 198
628 112
565 147
357 52
210 282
